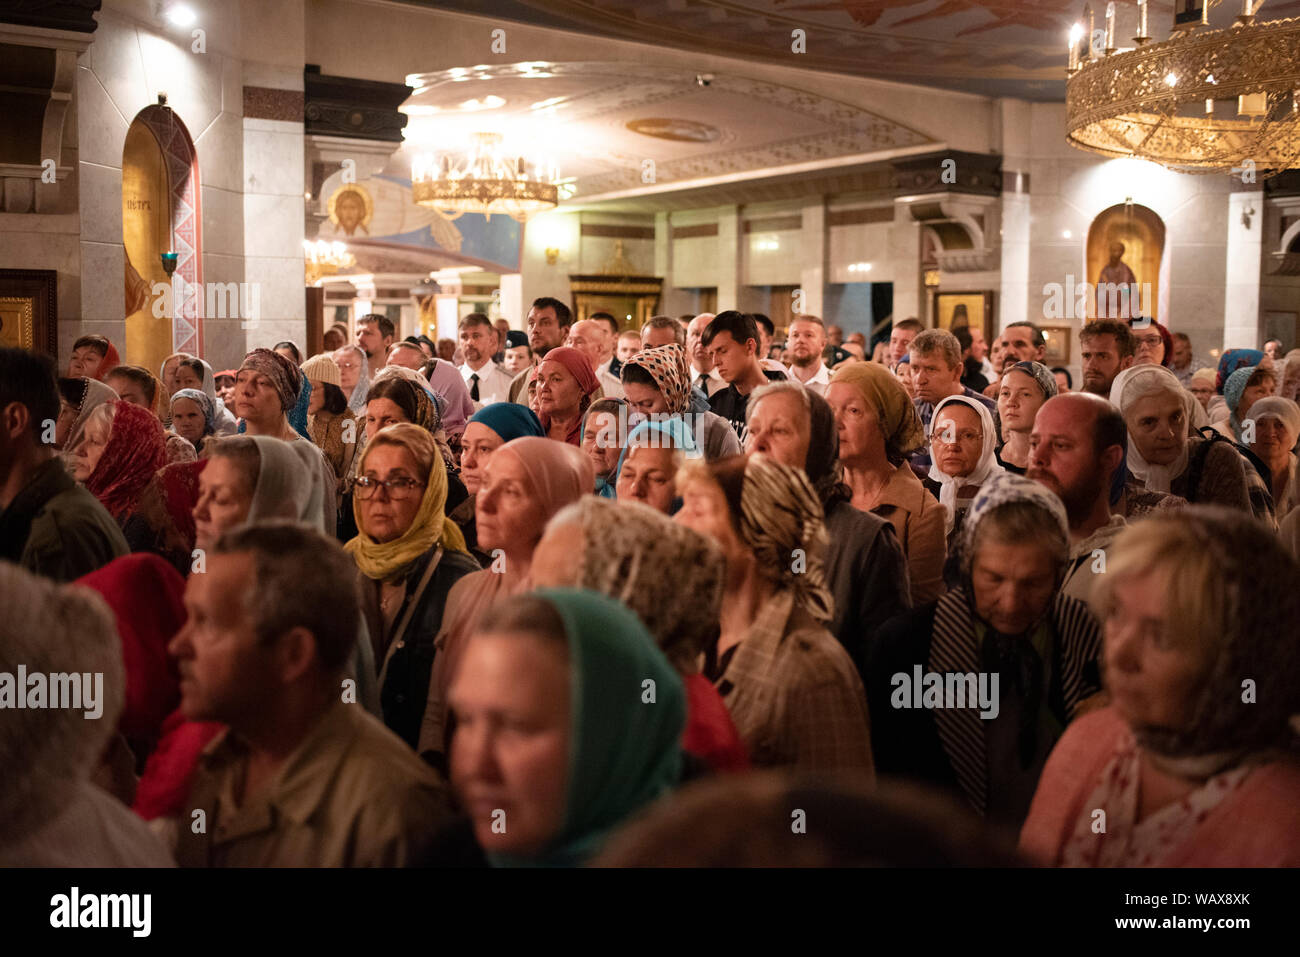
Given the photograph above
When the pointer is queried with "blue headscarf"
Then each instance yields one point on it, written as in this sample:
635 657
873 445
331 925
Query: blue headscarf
298 414
1233 360
605 483
668 432
510 420
1233 390
624 751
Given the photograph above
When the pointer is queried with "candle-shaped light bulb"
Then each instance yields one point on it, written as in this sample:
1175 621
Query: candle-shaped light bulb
1076 33
1110 25
1142 19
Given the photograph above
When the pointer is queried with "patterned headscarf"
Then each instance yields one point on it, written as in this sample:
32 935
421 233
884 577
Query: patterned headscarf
1003 489
206 405
283 374
1233 360
899 421
1043 376
1132 384
986 467
668 574
136 450
90 394
668 367
428 405
781 521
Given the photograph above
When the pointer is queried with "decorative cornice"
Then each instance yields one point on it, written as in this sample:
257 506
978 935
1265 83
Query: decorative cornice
78 15
976 173
363 109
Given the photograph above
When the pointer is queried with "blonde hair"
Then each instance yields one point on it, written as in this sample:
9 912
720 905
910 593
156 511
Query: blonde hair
404 435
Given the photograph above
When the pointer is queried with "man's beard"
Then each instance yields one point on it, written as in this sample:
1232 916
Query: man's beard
1079 496
804 362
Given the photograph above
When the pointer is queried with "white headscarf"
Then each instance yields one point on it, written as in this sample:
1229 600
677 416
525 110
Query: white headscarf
984 468
223 423
1132 384
289 482
357 400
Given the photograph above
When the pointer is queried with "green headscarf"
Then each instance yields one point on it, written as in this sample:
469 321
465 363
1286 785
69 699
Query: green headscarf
624 751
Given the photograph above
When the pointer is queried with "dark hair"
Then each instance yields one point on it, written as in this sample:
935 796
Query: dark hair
29 379
72 389
914 325
292 347
336 403
964 338
1188 339
325 602
742 327
141 377
530 614
98 343
194 365
638 375
477 319
398 391
1117 328
1039 339
1108 428
1069 379
765 322
608 320
385 324
563 314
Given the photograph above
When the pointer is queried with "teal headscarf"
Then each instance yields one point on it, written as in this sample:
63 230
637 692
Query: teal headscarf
1233 390
605 484
624 751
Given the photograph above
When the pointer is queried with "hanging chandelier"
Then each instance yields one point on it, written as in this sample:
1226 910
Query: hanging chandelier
323 258
484 180
1202 101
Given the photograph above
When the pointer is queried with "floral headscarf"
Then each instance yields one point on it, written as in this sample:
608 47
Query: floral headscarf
206 405
1233 360
1003 489
668 367
282 373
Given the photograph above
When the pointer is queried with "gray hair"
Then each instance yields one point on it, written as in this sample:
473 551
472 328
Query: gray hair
941 341
665 322
779 388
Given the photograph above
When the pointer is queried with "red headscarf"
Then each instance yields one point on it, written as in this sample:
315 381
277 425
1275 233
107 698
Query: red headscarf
144 592
578 367
136 450
108 363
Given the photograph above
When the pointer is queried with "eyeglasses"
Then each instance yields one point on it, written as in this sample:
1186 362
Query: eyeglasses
965 436
398 488
1150 341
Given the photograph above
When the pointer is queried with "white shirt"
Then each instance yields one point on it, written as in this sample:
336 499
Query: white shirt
713 381
818 383
610 384
493 383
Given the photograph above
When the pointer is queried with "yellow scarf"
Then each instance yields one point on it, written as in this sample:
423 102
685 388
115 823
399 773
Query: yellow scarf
382 561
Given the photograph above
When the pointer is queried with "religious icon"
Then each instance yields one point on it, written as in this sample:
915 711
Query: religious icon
351 208
1115 286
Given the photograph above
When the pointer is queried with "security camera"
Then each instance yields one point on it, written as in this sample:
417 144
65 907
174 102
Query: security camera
703 79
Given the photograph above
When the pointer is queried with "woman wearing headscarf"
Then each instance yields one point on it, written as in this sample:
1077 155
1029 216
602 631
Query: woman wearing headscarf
1230 362
671 577
405 396
487 430
1152 342
962 441
1243 389
120 449
525 482
409 555
52 814
1008 623
1189 769
1277 429
1201 387
648 465
267 387
1024 388
193 417
603 426
330 423
1161 454
565 382
1288 373
660 385
78 397
865 566
167 371
354 377
194 373
791 688
447 382
878 429
576 665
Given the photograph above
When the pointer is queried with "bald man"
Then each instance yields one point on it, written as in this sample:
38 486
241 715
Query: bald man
591 338
704 375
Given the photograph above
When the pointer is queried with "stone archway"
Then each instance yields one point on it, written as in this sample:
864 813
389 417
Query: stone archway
160 213
1142 232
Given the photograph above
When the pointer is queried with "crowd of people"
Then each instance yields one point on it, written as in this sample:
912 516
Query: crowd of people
578 594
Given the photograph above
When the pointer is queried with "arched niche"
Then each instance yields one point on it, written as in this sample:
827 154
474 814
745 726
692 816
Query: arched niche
1142 232
160 213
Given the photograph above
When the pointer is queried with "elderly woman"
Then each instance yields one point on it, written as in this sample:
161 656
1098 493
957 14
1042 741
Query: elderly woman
791 688
865 566
195 373
1243 389
121 447
602 429
1289 376
962 440
525 482
671 577
354 377
331 425
877 428
565 383
1193 763
647 466
1161 454
78 397
487 430
1230 362
1025 387
249 478
194 417
409 555
580 751
1202 387
1008 661
1277 429
657 382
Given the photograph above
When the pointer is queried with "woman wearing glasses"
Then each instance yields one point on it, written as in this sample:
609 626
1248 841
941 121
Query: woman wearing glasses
409 554
962 448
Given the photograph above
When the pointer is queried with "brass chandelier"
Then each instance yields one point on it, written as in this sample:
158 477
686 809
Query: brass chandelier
1201 101
484 181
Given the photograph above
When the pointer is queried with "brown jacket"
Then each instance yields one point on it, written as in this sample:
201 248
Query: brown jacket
918 521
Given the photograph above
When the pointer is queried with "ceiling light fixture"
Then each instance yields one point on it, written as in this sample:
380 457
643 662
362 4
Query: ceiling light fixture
180 14
484 180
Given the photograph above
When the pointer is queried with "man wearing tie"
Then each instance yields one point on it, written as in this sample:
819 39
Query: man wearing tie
486 380
704 375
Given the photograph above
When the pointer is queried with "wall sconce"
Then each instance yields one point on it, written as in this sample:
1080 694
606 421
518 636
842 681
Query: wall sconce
169 262
1246 215
552 255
